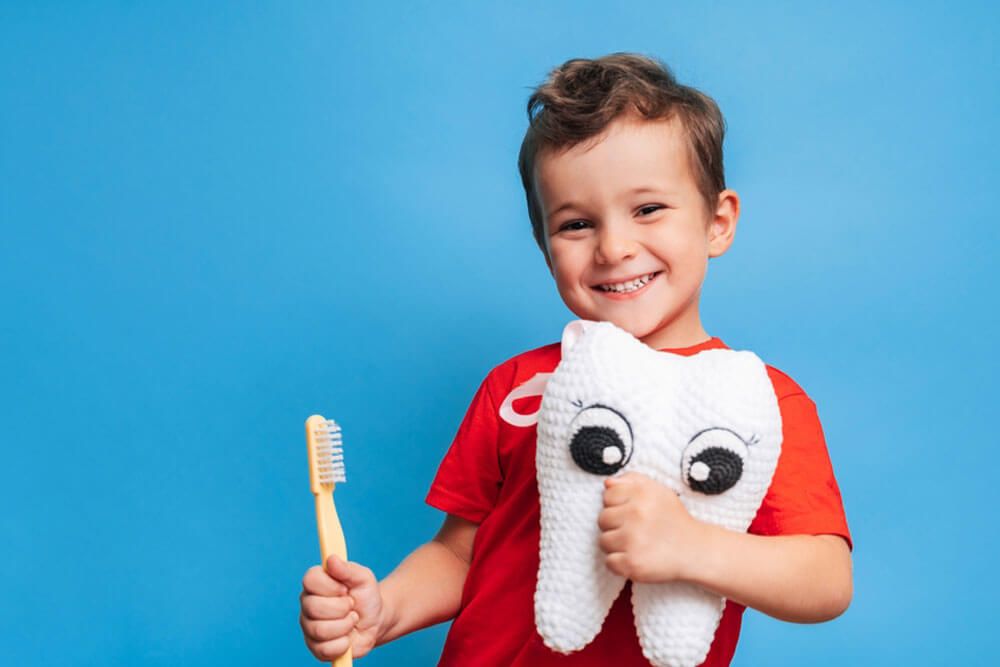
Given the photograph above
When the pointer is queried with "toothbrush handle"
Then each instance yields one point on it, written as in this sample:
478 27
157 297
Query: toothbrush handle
331 541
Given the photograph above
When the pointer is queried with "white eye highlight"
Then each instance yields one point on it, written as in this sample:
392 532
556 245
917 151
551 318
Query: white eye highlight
600 440
700 471
712 462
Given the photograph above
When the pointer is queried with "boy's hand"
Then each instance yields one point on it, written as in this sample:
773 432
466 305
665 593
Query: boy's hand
646 532
341 607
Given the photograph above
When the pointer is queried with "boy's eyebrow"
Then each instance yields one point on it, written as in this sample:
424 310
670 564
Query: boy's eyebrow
648 189
643 190
552 214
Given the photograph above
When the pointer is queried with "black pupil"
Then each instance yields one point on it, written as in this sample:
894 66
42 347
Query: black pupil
724 469
588 448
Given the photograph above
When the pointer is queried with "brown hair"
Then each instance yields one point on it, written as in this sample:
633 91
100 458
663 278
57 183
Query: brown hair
582 97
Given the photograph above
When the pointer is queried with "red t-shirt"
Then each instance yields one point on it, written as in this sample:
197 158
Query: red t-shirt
488 477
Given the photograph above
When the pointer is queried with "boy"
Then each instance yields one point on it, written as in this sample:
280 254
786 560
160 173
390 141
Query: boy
622 170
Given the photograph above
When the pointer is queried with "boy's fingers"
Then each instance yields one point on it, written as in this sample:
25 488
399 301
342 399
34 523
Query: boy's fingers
320 608
625 478
616 494
350 574
618 563
611 541
610 518
331 650
317 582
324 631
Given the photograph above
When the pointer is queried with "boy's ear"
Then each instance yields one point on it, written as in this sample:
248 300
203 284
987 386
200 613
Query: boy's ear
722 227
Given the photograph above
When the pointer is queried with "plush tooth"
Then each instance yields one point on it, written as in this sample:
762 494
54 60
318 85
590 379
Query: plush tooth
706 426
575 589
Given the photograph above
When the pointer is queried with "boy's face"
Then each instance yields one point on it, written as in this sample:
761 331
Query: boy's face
622 210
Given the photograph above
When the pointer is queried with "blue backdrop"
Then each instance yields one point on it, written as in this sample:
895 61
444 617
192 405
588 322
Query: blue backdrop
219 218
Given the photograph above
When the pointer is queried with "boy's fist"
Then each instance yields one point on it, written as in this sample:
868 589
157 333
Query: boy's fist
341 607
646 532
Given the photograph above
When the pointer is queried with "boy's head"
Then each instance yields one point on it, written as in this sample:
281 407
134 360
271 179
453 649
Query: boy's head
622 170
581 98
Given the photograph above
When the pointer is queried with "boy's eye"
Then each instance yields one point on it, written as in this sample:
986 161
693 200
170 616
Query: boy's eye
574 225
650 209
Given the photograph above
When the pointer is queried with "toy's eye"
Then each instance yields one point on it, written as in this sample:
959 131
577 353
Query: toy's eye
712 462
601 440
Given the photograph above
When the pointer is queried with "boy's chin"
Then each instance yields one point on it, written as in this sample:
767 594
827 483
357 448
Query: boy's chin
638 329
639 324
653 334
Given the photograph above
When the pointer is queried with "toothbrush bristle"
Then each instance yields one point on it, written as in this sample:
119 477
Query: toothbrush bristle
329 453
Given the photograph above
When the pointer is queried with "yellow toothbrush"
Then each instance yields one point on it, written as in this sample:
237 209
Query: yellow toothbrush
326 469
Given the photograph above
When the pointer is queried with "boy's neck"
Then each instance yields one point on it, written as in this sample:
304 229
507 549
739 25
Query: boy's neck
685 331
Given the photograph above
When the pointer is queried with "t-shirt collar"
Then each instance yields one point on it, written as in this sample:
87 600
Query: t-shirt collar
712 343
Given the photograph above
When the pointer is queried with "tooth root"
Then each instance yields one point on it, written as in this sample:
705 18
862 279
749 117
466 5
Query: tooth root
575 588
676 622
569 610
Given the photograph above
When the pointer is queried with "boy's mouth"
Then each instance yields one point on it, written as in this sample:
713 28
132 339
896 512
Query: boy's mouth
628 286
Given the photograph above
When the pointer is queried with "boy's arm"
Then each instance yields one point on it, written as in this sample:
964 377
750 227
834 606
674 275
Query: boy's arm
426 588
649 536
797 578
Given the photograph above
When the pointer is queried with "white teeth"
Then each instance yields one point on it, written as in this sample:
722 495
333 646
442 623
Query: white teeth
631 286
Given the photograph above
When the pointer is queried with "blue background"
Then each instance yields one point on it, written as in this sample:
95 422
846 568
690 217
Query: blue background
219 218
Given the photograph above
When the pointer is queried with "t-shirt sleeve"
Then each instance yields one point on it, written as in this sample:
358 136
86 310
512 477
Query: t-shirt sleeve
469 477
803 497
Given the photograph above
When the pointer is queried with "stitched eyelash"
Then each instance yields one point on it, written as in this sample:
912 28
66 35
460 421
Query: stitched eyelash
752 440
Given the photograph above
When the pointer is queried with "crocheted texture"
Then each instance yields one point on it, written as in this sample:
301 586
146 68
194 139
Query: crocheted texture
707 426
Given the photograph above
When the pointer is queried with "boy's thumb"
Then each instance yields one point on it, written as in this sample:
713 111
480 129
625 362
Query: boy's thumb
349 574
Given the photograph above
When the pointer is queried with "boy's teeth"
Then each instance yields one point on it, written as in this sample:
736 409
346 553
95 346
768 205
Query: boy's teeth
629 286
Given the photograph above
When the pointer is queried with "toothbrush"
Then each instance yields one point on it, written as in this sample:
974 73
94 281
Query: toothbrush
326 469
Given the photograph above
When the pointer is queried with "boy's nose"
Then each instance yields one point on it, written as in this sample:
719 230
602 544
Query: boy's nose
614 247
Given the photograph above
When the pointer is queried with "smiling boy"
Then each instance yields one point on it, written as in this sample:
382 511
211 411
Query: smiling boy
622 169
627 232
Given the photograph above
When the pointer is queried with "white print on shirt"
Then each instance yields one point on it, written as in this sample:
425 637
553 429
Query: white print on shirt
533 387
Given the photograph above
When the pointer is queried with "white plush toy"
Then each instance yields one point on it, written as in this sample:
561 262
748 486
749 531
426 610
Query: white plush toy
707 426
